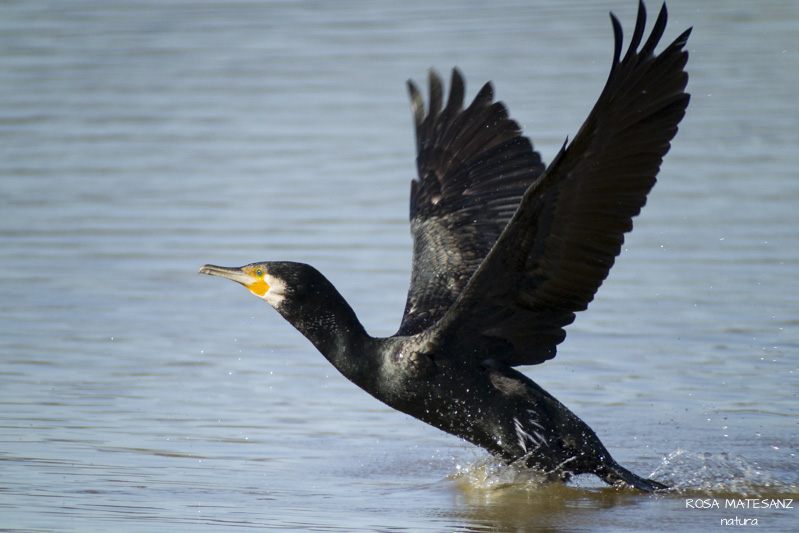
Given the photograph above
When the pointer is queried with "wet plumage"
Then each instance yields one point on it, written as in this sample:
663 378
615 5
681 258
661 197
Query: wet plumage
505 252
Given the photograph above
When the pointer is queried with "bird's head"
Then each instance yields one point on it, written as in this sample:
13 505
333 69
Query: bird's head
262 279
304 297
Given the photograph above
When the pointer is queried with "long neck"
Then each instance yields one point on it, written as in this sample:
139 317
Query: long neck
325 318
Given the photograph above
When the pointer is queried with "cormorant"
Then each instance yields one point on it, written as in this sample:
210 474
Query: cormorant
505 251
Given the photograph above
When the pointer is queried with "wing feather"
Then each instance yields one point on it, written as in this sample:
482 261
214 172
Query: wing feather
563 239
473 166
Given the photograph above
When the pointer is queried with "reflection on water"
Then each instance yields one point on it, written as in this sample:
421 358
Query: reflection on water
140 140
553 508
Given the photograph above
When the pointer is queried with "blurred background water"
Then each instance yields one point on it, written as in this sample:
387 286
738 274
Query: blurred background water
142 139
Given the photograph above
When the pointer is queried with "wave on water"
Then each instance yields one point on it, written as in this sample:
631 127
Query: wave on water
720 474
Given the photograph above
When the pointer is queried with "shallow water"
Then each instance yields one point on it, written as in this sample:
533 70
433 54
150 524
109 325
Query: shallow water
140 140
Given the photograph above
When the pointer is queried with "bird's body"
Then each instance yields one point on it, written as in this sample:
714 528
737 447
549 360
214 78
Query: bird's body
505 252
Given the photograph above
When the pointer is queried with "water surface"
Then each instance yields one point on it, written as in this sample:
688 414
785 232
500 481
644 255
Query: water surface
140 140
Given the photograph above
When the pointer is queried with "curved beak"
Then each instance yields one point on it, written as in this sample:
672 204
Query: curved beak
235 274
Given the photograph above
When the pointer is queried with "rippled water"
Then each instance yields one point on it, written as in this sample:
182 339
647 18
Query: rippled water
140 140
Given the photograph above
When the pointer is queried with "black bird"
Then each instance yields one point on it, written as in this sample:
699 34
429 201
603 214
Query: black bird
505 251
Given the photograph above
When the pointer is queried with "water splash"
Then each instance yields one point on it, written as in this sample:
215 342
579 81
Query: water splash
686 471
719 474
489 473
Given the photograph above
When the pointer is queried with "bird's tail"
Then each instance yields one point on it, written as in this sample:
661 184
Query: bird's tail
615 474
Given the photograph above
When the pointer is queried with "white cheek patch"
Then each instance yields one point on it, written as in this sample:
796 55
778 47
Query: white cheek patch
276 293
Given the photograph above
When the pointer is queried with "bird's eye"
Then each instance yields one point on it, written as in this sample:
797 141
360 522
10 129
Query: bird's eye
259 272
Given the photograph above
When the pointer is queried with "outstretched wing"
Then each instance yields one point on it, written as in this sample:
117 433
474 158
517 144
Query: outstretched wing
474 166
570 225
